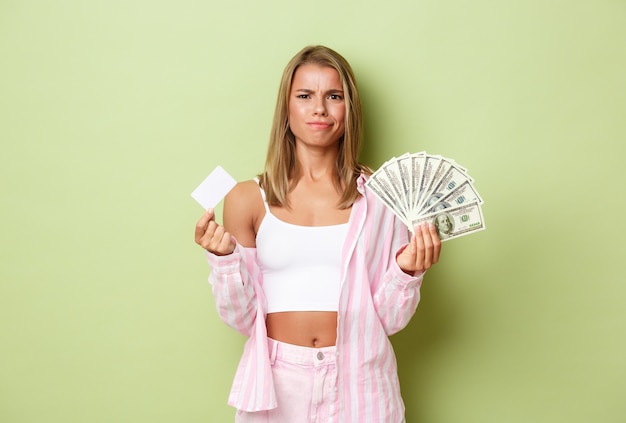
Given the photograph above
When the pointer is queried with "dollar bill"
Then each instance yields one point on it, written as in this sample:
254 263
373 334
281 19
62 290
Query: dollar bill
420 187
381 188
393 175
451 180
404 169
462 194
417 167
455 221
430 163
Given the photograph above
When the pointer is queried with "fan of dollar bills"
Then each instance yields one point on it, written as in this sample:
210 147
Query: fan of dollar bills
421 187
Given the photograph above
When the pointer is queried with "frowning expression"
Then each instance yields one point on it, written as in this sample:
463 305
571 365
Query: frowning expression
317 108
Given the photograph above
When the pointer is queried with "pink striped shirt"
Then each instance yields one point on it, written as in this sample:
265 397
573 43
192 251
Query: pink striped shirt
377 300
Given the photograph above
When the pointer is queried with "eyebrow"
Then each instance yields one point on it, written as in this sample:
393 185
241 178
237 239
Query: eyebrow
308 91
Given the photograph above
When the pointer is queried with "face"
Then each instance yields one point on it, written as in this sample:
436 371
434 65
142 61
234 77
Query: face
316 106
443 223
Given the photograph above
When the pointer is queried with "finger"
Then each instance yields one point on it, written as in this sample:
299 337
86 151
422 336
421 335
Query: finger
213 236
218 236
202 224
409 251
226 245
428 245
436 242
204 239
419 248
222 242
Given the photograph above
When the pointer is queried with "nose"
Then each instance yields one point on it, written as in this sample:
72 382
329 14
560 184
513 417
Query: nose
320 107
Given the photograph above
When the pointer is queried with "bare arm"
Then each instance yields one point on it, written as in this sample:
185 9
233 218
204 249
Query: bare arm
242 206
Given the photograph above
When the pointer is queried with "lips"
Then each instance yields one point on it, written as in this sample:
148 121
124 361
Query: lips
319 125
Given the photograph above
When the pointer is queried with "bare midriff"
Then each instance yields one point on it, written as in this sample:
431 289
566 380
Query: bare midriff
305 328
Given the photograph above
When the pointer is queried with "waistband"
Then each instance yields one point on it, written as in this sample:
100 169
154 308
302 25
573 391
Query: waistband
304 356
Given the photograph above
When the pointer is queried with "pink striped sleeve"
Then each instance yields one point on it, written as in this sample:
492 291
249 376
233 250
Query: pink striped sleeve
232 279
395 294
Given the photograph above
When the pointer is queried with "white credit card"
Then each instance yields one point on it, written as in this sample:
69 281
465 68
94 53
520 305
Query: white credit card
214 188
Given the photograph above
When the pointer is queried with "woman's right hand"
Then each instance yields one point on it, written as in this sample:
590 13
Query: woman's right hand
213 237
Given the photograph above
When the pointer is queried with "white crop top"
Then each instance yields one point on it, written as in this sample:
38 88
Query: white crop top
301 265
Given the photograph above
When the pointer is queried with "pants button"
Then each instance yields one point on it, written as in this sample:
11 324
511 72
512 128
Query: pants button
320 355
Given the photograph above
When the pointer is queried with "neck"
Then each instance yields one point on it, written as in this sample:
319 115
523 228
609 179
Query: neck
317 165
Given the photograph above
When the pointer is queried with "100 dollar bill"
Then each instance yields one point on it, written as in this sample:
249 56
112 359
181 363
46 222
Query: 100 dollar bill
455 221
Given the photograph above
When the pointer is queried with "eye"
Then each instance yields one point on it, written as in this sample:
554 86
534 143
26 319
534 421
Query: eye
303 96
335 97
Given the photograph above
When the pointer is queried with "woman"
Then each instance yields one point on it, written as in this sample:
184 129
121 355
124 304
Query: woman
311 266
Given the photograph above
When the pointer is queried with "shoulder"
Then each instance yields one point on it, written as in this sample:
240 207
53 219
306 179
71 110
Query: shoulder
244 195
245 188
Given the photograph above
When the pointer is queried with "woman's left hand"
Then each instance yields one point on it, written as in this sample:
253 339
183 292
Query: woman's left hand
422 252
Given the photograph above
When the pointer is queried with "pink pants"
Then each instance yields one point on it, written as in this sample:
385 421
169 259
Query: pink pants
304 379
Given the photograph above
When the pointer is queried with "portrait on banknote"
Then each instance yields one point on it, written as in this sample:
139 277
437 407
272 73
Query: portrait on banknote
444 224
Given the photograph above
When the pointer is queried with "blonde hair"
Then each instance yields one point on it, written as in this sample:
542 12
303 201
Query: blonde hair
281 164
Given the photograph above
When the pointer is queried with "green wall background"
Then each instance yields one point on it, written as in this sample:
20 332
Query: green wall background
112 112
